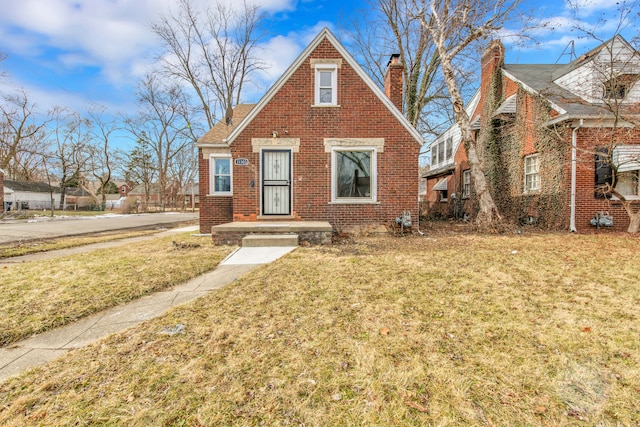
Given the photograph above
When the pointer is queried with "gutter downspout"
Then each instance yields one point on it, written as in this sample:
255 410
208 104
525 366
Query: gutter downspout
574 138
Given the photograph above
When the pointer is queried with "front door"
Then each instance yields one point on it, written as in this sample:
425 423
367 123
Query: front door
276 182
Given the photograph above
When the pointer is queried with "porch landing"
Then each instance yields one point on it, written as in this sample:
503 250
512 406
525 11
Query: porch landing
308 232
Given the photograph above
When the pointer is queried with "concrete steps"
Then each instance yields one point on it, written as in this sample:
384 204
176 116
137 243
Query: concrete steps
269 240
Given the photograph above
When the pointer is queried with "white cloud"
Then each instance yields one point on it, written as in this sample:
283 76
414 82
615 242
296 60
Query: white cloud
277 54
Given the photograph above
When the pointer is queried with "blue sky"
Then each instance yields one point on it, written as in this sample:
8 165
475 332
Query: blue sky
75 53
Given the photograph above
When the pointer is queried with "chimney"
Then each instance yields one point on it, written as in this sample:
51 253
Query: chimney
491 61
393 80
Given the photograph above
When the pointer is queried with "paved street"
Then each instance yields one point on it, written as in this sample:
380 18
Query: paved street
47 227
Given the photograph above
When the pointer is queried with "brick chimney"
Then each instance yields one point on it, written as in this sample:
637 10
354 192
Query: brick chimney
393 80
491 61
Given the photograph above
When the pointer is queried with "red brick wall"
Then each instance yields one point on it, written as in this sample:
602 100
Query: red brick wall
214 210
360 115
587 205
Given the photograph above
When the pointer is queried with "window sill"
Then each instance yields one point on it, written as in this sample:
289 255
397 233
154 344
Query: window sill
325 106
444 200
628 198
354 202
220 195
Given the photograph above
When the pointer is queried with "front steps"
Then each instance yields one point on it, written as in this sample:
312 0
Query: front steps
269 240
305 232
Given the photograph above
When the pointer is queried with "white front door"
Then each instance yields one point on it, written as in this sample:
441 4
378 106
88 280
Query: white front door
276 182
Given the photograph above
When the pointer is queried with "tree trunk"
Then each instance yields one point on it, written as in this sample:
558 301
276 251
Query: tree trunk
488 211
634 223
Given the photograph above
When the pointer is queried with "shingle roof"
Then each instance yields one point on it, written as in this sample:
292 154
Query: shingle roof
539 77
221 130
34 187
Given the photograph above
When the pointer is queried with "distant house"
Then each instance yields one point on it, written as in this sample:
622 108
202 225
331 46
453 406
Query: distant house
543 131
29 195
124 188
190 196
323 144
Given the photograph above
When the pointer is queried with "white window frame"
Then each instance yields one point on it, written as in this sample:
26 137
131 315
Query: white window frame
373 176
629 173
442 152
333 69
536 174
212 175
466 184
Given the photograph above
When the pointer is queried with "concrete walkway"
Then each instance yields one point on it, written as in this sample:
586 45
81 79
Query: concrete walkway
40 349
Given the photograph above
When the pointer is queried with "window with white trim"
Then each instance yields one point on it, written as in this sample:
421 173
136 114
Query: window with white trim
442 152
354 175
326 84
626 159
532 173
466 184
220 172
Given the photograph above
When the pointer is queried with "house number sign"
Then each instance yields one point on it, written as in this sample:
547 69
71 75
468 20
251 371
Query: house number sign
241 162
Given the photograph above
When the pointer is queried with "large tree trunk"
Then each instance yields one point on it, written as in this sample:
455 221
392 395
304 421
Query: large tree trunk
634 223
488 211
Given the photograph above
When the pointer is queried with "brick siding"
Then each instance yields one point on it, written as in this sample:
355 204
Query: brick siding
360 115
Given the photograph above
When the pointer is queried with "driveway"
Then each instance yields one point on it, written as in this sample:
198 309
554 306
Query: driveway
47 227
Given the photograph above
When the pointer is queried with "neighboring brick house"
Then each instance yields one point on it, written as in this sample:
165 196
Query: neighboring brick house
543 131
323 144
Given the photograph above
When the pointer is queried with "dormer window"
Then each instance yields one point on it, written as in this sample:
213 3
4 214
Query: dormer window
618 87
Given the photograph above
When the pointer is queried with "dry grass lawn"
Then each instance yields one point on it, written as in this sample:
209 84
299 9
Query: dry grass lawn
37 296
14 249
453 330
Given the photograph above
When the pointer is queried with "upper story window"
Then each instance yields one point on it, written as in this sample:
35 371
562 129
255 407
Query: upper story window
442 152
532 173
326 84
619 86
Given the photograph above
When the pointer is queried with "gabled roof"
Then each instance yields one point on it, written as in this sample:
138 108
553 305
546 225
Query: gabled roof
540 79
222 129
563 69
325 34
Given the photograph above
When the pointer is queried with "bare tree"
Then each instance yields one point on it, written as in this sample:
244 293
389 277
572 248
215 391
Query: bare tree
69 137
21 137
213 51
163 125
101 156
454 26
392 27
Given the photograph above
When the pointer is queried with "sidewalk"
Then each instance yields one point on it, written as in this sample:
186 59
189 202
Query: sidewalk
40 349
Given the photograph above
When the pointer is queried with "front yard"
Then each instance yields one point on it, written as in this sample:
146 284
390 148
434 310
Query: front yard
446 330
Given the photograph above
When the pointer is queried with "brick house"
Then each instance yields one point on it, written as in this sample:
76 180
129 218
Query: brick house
549 141
323 144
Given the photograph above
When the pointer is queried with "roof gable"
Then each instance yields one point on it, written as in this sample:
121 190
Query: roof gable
325 34
586 75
